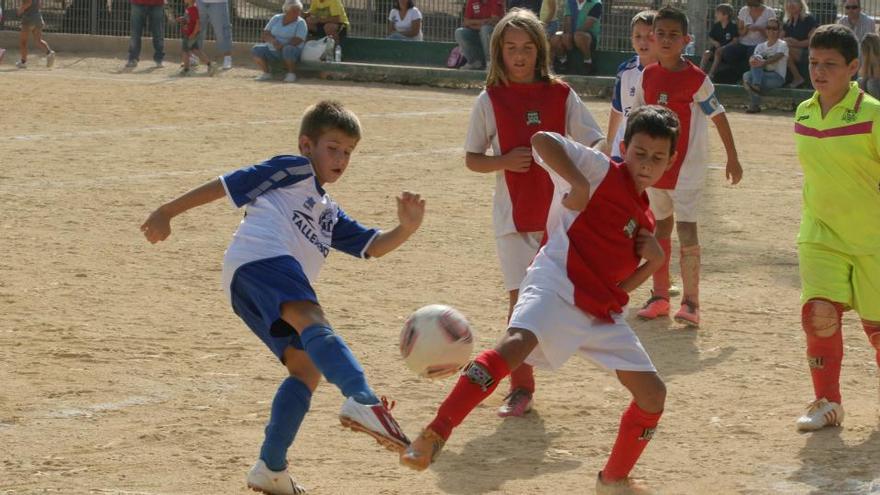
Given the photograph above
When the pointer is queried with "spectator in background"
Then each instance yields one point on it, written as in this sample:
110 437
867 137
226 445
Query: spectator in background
752 24
533 5
825 11
855 19
799 26
32 24
283 39
141 12
216 13
869 71
190 27
405 22
768 65
549 16
480 17
327 18
579 29
724 32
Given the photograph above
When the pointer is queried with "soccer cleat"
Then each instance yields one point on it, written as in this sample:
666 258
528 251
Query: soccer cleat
227 62
689 314
655 307
625 486
374 420
262 479
421 453
290 77
820 413
50 59
516 404
265 76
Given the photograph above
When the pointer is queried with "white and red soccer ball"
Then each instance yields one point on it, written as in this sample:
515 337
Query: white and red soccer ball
436 341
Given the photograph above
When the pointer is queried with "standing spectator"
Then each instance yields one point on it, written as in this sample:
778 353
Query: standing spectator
405 22
32 22
799 26
283 39
549 17
143 11
752 23
855 19
768 66
216 12
723 33
580 28
480 17
190 27
327 18
869 71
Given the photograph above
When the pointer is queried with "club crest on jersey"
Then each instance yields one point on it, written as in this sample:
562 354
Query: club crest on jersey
663 99
630 228
533 118
326 221
309 204
849 116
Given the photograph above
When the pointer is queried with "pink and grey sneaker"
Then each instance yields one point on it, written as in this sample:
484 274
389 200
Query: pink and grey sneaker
374 420
656 307
689 314
517 404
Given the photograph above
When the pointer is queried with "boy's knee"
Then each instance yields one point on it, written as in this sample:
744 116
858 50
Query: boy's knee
821 318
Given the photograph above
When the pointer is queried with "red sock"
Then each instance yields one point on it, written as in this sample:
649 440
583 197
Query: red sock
476 382
873 333
824 355
661 276
523 377
636 429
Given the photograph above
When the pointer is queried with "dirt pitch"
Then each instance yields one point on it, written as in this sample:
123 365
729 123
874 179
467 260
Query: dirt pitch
123 370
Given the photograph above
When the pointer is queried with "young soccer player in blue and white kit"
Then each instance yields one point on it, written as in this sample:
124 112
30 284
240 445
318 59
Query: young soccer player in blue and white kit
288 230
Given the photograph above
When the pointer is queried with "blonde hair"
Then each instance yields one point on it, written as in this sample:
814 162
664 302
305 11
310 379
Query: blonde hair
870 56
805 10
527 21
646 17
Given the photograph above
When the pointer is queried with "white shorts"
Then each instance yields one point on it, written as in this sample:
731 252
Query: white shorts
684 202
563 330
516 252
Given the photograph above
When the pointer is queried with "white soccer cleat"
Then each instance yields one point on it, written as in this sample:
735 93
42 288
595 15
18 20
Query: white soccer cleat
820 413
290 77
374 420
262 479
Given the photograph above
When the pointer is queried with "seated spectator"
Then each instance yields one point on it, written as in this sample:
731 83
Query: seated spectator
855 19
283 39
768 65
752 24
799 26
533 5
580 29
869 72
480 17
723 33
549 17
405 22
327 18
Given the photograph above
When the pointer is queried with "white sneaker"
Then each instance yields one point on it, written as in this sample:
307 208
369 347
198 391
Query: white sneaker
193 61
262 479
820 414
265 76
227 62
374 420
21 65
290 77
50 59
159 64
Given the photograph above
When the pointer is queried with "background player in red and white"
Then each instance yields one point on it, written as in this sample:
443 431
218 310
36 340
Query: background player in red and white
521 98
676 83
573 298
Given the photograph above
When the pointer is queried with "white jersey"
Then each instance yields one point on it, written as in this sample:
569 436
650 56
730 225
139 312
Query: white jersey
482 135
629 76
288 214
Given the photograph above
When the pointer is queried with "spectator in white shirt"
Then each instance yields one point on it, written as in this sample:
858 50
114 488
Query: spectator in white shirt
768 66
405 22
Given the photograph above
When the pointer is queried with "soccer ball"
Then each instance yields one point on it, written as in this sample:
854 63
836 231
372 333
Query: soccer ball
436 341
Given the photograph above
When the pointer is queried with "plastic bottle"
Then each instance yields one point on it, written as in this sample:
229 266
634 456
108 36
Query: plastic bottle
337 54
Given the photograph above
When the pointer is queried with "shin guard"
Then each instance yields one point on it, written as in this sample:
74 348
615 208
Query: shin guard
636 429
821 321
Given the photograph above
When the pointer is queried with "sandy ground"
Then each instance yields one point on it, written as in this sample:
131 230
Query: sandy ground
123 370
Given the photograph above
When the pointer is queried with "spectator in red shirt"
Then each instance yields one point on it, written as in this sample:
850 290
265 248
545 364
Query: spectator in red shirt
141 10
190 27
480 17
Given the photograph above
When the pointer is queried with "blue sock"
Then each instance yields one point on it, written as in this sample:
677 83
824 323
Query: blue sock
336 362
288 410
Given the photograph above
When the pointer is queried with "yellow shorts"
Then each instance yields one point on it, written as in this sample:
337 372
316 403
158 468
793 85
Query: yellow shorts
851 280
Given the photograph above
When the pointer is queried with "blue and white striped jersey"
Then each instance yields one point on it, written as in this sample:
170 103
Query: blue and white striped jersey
288 214
629 75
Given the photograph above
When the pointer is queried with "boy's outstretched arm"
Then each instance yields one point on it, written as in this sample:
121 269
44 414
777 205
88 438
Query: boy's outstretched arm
733 171
554 155
157 227
410 212
648 248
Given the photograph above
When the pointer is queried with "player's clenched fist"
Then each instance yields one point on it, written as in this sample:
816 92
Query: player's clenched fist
410 210
157 227
648 248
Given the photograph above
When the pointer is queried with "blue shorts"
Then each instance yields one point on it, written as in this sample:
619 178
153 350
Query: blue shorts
259 289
